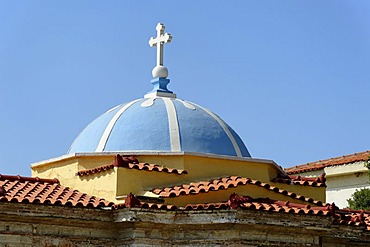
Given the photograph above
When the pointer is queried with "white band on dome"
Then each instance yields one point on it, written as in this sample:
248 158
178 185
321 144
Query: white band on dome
225 128
173 125
112 122
186 104
148 102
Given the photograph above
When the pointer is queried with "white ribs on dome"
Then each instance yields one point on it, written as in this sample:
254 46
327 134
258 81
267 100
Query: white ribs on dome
104 138
183 125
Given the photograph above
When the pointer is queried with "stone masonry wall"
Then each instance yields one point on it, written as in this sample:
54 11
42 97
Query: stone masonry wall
40 225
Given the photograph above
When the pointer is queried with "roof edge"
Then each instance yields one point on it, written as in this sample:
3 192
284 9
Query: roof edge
336 161
159 153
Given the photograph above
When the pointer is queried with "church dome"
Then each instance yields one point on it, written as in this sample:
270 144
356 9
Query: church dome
160 122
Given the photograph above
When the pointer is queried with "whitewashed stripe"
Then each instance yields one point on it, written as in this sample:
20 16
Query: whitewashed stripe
187 104
173 125
112 122
148 102
225 128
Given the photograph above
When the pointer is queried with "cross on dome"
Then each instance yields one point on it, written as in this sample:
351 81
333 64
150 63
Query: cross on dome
159 70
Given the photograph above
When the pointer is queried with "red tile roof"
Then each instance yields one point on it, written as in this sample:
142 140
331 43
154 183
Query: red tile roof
18 189
298 180
353 217
321 164
207 206
222 184
132 202
266 204
130 163
36 190
341 216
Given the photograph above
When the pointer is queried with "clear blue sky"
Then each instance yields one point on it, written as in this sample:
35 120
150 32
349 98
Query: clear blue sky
291 77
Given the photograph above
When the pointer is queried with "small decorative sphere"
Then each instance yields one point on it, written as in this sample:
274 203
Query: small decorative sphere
160 71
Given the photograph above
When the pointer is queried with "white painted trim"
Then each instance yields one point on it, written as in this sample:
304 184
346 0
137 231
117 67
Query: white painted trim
345 169
187 104
108 129
225 128
159 153
148 102
173 125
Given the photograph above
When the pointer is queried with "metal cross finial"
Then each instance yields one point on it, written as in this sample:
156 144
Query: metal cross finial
159 42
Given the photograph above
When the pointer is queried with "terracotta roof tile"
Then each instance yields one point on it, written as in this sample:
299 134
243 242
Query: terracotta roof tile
353 217
321 164
44 191
207 206
235 201
285 209
223 184
264 204
306 181
341 216
132 202
130 163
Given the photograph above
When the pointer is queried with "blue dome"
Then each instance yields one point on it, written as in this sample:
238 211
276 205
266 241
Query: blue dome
160 124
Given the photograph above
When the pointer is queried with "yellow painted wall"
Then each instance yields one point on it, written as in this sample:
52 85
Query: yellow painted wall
140 181
69 166
102 184
64 170
210 167
121 181
114 182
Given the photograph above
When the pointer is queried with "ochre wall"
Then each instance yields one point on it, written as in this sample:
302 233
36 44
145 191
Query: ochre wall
210 167
139 181
65 170
115 184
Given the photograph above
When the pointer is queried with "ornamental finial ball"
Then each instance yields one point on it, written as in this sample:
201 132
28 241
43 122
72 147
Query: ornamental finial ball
160 71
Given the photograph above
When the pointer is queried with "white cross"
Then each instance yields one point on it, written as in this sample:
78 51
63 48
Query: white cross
159 42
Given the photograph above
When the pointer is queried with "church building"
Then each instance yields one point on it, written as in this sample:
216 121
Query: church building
164 171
